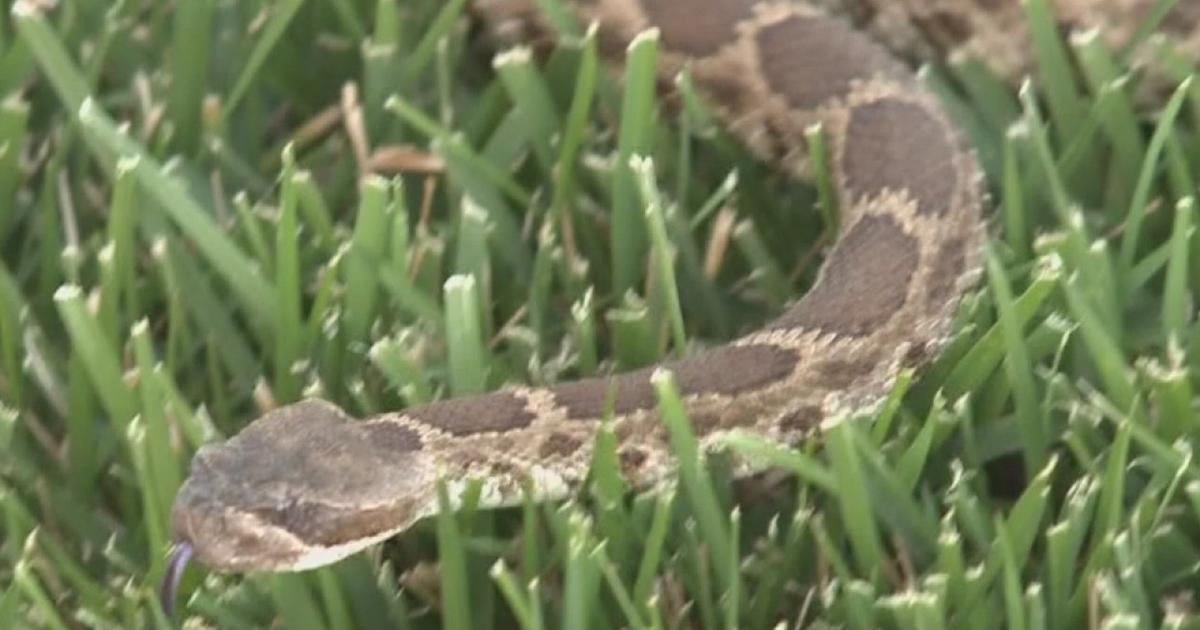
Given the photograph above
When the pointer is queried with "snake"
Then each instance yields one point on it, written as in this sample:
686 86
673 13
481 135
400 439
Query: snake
307 484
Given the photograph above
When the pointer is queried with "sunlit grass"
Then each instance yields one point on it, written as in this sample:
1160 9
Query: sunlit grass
213 211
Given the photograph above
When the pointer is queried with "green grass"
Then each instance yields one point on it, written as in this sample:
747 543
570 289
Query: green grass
188 236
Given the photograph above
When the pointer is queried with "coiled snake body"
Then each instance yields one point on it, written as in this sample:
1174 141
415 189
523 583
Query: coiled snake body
306 485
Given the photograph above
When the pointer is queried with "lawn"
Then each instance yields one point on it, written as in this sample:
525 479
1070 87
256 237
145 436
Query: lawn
210 208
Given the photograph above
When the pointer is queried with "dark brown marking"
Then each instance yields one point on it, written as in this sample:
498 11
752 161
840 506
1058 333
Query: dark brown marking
840 374
391 436
864 283
697 30
948 28
728 90
588 398
503 467
895 145
729 370
611 42
497 411
1182 20
632 459
327 525
992 5
560 445
801 419
705 422
639 430
810 60
916 355
624 430
860 11
947 269
726 370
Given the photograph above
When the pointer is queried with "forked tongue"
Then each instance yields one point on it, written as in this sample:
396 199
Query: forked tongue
180 558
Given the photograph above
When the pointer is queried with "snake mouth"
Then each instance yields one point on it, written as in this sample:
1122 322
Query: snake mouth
231 541
228 539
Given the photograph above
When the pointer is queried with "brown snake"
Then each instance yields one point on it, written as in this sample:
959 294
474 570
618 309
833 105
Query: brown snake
305 485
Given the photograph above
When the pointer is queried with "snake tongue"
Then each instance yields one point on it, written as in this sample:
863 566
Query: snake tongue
169 589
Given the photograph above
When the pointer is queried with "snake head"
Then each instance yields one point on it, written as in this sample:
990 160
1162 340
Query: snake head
302 486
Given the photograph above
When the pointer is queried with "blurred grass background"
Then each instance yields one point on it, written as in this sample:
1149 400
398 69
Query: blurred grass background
209 208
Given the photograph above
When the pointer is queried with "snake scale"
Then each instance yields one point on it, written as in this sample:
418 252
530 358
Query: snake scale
306 484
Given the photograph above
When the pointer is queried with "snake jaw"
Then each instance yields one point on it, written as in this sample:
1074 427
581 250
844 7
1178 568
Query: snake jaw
226 538
235 540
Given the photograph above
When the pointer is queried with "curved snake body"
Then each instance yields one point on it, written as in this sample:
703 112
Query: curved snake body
305 484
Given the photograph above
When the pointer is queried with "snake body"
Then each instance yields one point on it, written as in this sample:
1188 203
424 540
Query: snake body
305 484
